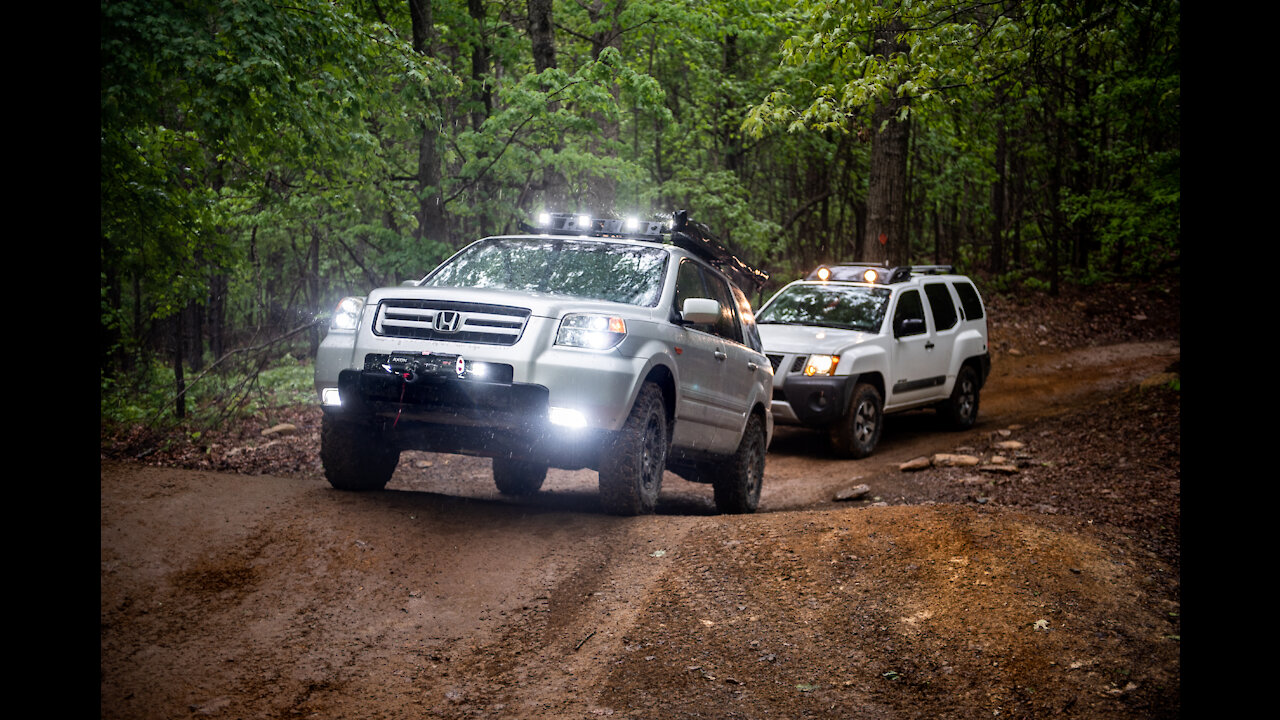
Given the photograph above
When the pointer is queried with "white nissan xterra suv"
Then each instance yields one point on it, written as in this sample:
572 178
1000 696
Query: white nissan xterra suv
850 343
620 346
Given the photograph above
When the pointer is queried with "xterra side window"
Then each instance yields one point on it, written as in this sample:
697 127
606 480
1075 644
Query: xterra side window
910 307
940 304
969 302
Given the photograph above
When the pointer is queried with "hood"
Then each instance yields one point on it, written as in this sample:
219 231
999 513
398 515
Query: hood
805 339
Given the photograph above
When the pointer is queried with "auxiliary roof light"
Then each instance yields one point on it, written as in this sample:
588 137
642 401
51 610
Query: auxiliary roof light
584 221
869 275
632 224
824 273
544 219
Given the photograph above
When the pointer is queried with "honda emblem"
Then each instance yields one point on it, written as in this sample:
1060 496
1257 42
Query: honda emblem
447 321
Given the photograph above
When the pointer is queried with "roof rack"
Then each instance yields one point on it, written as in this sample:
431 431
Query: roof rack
683 233
697 238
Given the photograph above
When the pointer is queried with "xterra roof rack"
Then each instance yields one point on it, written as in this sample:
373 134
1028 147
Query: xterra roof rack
878 274
683 233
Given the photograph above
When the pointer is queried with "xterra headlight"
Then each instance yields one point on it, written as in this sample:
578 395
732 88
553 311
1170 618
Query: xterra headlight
590 331
821 365
347 314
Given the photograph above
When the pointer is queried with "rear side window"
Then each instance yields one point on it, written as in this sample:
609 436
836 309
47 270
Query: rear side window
969 301
940 304
748 317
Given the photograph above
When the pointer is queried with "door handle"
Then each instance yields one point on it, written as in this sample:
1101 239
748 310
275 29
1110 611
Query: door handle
721 355
928 345
752 367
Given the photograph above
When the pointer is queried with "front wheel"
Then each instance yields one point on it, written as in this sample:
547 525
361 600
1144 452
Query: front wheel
960 411
631 469
737 483
517 477
857 433
355 457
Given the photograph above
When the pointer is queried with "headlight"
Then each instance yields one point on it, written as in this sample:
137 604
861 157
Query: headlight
594 332
347 314
821 365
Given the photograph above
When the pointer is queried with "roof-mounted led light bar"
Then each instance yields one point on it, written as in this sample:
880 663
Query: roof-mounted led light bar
549 223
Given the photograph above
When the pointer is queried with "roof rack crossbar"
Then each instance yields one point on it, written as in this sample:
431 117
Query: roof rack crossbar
934 269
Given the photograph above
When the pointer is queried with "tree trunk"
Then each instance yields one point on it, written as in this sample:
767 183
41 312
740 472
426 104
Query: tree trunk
480 66
431 219
886 193
195 336
217 314
313 290
179 383
542 34
999 220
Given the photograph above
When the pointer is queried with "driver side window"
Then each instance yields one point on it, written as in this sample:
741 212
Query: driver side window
910 309
693 281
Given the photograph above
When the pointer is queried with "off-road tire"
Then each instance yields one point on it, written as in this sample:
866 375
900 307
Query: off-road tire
960 411
517 477
857 433
355 457
737 484
631 468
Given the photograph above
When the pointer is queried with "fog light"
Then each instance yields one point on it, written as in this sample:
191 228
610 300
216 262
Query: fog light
818 401
330 396
567 417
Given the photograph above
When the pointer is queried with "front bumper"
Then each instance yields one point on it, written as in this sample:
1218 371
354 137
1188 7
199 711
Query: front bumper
469 417
817 401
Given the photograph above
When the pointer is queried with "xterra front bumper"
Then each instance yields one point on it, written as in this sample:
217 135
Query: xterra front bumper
813 401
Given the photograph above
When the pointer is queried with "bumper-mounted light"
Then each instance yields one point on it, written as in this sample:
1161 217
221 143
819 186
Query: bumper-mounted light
566 417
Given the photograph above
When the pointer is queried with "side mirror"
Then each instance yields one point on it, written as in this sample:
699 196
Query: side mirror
700 311
909 326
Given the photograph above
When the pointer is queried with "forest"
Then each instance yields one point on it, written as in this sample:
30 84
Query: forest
261 159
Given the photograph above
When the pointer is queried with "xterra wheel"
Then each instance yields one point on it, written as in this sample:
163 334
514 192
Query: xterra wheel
858 432
355 457
631 469
960 411
516 477
737 484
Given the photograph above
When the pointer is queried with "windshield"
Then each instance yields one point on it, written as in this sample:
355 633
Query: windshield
582 269
838 306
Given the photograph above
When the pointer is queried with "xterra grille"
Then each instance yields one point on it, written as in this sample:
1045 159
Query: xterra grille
453 321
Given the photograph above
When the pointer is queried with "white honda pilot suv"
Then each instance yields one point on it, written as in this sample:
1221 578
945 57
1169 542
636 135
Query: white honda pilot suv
624 347
850 343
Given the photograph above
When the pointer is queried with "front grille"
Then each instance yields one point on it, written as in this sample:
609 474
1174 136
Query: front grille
775 361
798 365
453 321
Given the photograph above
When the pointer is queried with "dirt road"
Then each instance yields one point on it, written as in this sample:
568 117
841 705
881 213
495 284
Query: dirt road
939 594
